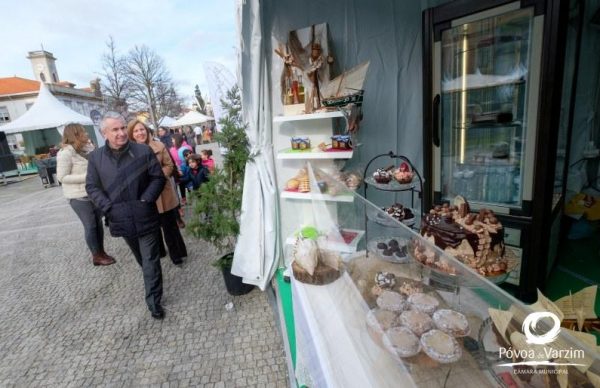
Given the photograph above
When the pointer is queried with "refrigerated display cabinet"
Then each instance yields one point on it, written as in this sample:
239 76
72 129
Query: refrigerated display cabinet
492 104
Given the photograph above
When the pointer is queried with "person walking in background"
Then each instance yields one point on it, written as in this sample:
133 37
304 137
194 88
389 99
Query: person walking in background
196 174
207 160
71 169
178 144
190 137
184 147
124 180
165 137
206 135
176 151
167 202
184 167
198 133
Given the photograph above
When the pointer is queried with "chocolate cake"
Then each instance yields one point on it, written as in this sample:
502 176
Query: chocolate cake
382 175
475 239
400 213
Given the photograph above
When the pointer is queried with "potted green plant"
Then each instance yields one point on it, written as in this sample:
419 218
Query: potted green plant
217 203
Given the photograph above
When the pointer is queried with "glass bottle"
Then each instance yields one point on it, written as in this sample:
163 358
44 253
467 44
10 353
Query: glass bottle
295 94
300 90
288 93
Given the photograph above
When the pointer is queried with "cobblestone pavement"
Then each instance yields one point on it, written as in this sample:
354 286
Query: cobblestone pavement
64 322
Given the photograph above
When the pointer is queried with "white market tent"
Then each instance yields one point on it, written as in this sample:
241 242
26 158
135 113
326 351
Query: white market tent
166 121
43 122
191 118
46 112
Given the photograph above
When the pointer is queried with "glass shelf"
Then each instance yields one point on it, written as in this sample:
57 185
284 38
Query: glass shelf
288 153
318 197
489 125
311 116
393 185
476 82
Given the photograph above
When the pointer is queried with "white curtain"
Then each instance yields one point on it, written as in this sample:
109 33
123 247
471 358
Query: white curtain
258 248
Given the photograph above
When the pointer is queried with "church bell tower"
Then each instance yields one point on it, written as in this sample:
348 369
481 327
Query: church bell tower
44 67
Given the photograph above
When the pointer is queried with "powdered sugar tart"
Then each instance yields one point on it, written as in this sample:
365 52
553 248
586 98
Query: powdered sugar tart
381 320
423 302
418 322
451 322
391 300
401 342
440 346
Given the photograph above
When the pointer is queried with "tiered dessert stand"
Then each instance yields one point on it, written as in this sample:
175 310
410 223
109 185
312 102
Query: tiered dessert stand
393 186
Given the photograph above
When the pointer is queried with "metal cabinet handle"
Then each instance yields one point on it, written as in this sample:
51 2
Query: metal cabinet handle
436 120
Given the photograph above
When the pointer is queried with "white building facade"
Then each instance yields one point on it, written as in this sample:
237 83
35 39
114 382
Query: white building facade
18 94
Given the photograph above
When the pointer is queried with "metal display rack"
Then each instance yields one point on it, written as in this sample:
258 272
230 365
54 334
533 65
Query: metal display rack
392 187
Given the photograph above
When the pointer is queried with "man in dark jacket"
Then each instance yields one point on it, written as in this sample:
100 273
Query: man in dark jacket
124 180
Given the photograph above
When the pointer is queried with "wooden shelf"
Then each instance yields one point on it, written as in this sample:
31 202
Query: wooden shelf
310 116
317 197
313 154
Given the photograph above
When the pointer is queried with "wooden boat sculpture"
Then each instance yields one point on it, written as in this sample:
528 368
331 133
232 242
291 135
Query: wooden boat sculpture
346 88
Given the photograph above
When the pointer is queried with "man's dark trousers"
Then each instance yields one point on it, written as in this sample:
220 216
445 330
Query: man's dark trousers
145 248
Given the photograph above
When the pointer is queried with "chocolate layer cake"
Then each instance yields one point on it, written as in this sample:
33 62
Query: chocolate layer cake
475 239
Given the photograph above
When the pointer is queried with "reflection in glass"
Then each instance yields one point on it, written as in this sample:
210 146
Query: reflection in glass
484 81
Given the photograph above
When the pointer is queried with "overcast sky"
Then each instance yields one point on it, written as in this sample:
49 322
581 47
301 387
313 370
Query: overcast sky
184 33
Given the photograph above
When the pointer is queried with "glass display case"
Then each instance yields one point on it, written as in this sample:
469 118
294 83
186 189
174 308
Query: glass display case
409 314
485 65
492 77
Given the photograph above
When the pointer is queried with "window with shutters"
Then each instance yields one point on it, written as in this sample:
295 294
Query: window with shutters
4 116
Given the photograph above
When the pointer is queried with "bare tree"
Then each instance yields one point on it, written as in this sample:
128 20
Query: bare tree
149 79
169 102
114 79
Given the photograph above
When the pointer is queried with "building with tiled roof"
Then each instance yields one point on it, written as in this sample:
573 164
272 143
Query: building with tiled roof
16 85
17 94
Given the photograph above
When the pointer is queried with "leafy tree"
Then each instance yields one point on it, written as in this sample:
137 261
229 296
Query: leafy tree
217 204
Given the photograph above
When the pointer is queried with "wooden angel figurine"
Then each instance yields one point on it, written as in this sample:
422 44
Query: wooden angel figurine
315 63
288 84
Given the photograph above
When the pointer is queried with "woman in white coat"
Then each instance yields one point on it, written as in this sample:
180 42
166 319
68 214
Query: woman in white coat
71 169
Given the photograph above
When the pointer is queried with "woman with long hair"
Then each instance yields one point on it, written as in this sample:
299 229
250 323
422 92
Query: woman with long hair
71 170
167 202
